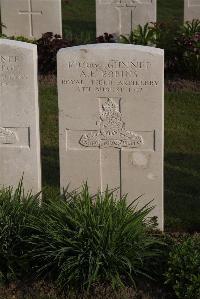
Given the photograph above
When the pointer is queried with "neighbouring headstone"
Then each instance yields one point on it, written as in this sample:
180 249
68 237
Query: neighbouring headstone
121 16
111 99
19 116
191 10
31 18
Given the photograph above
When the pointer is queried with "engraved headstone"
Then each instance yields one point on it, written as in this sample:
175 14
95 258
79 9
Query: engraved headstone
19 115
31 18
111 120
191 10
121 16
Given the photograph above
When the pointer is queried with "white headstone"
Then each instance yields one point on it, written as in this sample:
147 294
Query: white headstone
121 16
111 119
19 115
191 10
31 18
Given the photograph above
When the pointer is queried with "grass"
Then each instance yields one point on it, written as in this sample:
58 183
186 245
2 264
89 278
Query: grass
49 135
169 10
79 19
182 158
85 240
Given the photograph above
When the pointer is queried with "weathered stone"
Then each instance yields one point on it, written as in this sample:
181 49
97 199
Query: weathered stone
111 120
121 16
31 18
19 115
191 10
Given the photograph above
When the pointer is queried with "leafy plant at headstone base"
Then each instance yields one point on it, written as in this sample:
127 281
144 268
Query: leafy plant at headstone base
142 35
183 274
19 38
191 28
106 38
48 46
83 240
188 42
16 208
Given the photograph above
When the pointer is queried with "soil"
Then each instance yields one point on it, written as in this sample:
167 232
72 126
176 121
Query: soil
42 290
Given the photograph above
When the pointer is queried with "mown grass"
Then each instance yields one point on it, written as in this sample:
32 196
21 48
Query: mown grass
49 136
182 157
182 160
169 10
79 19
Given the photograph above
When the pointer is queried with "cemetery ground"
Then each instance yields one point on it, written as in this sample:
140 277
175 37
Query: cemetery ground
182 124
182 161
182 164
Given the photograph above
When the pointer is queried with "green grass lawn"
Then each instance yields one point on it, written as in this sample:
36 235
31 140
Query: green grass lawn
182 157
182 160
169 10
79 19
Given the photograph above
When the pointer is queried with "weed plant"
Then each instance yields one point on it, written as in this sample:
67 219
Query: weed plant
142 35
183 273
181 45
188 44
83 239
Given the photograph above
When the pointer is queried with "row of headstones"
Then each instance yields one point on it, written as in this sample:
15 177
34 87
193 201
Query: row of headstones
111 102
32 18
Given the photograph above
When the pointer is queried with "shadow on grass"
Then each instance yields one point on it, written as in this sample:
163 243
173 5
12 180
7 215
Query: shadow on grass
170 10
182 192
81 31
50 167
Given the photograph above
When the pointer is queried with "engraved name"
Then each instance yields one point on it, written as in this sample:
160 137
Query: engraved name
8 59
11 70
112 64
113 76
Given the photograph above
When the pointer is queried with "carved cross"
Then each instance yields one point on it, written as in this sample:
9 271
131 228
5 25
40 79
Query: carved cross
111 139
30 14
126 9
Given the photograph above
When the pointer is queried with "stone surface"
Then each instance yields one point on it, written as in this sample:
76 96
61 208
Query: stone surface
19 115
111 119
121 16
31 18
191 10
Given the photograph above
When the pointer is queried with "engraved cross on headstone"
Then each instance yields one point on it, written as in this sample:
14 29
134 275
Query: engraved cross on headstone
111 139
30 14
126 10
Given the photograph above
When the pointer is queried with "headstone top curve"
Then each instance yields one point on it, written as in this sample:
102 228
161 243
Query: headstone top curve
17 44
117 46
